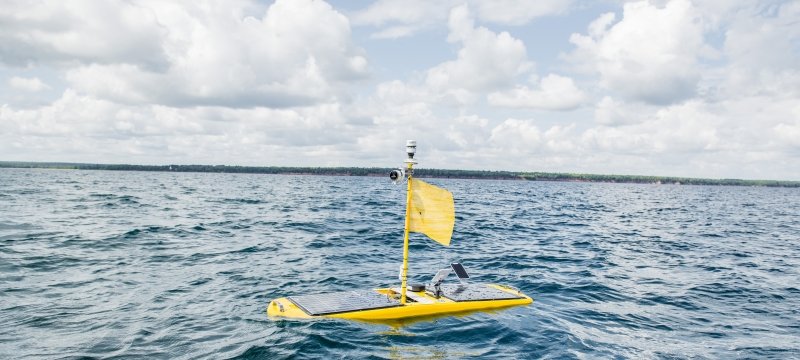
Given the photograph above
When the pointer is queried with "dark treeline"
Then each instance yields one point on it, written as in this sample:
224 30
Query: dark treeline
422 172
641 179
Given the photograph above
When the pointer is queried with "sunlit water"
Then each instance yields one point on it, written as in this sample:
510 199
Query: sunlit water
182 265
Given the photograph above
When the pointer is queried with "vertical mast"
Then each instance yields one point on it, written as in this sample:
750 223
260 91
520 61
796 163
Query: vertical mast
411 149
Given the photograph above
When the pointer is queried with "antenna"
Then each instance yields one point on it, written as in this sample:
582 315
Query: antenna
411 149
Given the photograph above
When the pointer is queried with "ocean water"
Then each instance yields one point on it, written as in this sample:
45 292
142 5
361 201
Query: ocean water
97 264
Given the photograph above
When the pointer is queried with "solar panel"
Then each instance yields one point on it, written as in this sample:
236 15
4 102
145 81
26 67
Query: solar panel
460 271
475 292
344 301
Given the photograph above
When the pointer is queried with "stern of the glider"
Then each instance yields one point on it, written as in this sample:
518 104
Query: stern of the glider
283 307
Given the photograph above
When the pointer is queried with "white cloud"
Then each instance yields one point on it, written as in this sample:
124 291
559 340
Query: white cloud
399 18
761 53
789 133
282 84
554 93
407 12
728 138
200 53
27 84
762 41
611 112
82 31
465 131
744 115
395 32
83 128
650 55
519 135
520 144
486 61
518 12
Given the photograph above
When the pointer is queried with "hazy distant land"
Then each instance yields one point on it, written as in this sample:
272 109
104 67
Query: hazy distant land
421 172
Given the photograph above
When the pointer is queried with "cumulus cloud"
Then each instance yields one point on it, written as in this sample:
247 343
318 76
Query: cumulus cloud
185 54
727 138
555 92
27 84
526 145
86 31
399 18
650 55
85 128
518 12
743 116
486 60
611 112
766 38
516 134
761 52
643 90
691 128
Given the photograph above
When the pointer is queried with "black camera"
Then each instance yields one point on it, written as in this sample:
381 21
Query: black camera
397 175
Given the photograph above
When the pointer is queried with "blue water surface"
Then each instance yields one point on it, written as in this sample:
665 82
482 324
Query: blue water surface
153 265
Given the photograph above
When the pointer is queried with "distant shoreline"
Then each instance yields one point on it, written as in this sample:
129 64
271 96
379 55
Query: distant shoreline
422 172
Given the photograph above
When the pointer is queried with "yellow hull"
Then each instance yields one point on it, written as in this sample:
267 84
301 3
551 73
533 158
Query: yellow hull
423 304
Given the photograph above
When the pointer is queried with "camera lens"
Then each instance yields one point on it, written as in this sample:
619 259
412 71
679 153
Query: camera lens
394 174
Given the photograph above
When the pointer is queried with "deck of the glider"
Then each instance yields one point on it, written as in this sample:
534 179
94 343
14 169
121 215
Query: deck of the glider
384 304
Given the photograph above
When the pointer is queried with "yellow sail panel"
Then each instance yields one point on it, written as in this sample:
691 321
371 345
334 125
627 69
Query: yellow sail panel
432 211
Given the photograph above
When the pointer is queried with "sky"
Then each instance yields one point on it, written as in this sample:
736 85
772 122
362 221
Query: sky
673 88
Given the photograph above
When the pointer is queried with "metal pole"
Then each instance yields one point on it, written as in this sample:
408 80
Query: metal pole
404 282
411 149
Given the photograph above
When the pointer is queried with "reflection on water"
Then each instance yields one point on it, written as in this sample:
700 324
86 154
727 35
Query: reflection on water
427 353
399 324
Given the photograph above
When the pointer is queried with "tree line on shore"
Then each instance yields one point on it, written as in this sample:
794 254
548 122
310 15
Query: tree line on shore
421 172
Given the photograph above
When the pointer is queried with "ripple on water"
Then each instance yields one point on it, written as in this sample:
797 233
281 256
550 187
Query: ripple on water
179 265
